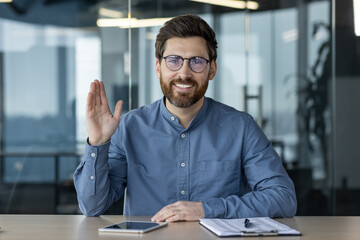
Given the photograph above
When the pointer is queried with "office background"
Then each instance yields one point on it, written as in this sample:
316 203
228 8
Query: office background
294 65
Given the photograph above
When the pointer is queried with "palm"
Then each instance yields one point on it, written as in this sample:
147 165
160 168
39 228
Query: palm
101 124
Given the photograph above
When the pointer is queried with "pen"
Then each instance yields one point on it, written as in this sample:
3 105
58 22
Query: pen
246 222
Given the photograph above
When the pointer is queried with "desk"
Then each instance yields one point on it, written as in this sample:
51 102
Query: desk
63 227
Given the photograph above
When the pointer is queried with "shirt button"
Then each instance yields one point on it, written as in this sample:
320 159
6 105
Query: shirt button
91 177
182 192
93 154
183 135
172 118
182 164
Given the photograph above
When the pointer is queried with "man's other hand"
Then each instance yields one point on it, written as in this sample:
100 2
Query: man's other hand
180 211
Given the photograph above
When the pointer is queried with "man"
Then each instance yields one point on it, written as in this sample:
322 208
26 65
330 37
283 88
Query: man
186 156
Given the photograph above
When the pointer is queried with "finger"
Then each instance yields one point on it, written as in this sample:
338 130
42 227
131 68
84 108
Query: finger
97 93
118 109
174 218
165 211
90 98
92 87
164 216
103 99
158 217
90 102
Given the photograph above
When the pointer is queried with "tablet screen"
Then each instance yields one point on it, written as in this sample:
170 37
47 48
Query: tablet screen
133 225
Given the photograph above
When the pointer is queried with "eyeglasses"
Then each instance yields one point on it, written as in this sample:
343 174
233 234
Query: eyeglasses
197 64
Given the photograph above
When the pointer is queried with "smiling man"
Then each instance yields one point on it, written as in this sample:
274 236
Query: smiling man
185 156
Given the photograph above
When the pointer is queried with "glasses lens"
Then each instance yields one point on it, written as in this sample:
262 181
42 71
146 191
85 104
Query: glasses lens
198 64
174 63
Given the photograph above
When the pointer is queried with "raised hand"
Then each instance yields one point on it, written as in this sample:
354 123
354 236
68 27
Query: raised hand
101 123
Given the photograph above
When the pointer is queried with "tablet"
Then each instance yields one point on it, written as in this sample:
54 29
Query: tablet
132 227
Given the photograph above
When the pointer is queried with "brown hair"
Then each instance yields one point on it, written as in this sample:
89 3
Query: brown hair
186 26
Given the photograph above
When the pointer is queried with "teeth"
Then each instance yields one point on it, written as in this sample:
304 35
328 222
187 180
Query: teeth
183 86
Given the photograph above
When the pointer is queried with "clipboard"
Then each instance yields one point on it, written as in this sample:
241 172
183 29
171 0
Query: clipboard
262 226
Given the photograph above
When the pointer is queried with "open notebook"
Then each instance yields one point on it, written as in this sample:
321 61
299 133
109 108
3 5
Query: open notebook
262 226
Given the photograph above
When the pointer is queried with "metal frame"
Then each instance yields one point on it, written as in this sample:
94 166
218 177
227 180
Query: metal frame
2 125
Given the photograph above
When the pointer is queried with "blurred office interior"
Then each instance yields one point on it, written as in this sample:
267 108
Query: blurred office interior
294 65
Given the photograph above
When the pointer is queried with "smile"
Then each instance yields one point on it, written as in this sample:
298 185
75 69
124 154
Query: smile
183 85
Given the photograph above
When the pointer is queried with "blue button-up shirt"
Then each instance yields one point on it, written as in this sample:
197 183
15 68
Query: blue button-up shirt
222 159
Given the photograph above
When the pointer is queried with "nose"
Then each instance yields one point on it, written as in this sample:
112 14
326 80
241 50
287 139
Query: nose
185 71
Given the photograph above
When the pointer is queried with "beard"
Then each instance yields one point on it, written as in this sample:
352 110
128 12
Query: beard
183 100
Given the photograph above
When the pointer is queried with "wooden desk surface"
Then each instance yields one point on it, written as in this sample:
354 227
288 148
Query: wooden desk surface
63 227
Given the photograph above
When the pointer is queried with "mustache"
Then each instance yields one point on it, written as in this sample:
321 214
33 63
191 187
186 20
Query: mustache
183 81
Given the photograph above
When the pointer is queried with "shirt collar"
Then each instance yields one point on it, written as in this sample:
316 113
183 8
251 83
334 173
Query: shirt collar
173 120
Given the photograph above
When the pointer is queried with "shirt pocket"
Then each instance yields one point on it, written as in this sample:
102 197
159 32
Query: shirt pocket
218 179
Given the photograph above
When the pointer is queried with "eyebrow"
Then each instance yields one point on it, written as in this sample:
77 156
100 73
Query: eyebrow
186 57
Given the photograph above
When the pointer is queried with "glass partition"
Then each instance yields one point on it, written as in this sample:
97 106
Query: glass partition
44 84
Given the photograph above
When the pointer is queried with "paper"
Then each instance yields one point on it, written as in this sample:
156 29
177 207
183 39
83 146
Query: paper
262 226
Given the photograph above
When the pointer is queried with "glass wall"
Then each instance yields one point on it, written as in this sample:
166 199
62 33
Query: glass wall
346 50
293 65
44 68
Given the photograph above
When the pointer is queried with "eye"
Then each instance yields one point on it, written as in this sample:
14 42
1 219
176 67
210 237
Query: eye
197 60
173 60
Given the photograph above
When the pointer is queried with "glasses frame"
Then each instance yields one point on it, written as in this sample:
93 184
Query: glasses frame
182 63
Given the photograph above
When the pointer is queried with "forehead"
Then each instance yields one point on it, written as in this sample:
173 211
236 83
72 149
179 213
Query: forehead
186 47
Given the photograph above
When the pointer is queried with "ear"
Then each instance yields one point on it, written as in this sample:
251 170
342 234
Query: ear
213 68
158 68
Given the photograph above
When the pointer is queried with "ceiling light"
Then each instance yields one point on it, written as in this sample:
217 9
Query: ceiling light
105 12
252 5
133 22
357 17
6 1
